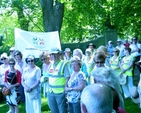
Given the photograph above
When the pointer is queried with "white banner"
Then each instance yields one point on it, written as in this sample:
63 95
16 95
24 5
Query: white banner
34 43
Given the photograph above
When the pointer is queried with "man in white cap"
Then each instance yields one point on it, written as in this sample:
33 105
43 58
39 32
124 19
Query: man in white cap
58 75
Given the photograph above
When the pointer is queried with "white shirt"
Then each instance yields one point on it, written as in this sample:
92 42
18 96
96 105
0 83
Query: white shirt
121 49
135 47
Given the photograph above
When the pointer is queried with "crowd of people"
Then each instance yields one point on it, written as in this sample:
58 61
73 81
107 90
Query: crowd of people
96 81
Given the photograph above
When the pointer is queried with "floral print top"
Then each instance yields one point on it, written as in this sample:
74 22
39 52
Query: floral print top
74 96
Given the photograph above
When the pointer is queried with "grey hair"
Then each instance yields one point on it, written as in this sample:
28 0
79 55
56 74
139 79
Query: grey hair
107 76
79 51
97 98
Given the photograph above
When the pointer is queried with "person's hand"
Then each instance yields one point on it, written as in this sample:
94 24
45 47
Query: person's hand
46 79
27 89
68 89
10 86
123 71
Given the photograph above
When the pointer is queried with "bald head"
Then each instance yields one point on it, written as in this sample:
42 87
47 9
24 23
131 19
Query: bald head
97 98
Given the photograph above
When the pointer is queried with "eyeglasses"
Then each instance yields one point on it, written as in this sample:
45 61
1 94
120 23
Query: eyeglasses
16 54
43 59
11 63
54 54
11 51
30 60
99 62
3 59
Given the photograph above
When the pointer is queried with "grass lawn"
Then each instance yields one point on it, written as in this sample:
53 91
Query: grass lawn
129 106
4 107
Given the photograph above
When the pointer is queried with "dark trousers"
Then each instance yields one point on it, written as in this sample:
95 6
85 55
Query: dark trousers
57 103
74 107
22 93
138 67
2 97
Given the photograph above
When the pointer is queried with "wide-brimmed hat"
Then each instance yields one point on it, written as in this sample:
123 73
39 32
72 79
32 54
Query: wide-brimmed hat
55 50
122 79
67 50
103 49
134 94
12 49
4 55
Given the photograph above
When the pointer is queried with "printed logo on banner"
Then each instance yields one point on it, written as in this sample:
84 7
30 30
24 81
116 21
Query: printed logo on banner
38 42
35 42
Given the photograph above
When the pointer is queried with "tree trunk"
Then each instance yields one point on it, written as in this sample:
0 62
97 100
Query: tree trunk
53 12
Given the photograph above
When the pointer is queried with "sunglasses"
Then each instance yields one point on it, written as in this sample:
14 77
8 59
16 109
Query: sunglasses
11 51
30 61
43 59
16 54
114 51
3 59
54 54
11 63
99 62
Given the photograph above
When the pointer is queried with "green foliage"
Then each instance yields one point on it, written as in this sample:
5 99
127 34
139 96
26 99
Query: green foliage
83 19
24 14
38 63
79 21
45 109
7 25
28 13
89 19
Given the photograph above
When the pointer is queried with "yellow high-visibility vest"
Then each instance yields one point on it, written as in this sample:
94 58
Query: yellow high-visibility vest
126 63
114 63
56 78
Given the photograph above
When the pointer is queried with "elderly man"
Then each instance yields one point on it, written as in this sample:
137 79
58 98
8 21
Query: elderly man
97 98
58 75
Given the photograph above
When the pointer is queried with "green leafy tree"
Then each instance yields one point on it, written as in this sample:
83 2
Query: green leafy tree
28 13
77 20
24 14
88 19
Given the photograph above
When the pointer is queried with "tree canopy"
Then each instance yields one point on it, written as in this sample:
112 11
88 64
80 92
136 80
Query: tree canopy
82 20
89 19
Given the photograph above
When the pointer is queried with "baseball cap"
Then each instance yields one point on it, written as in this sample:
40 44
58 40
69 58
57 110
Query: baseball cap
55 50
